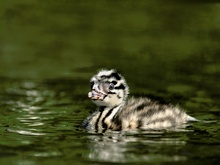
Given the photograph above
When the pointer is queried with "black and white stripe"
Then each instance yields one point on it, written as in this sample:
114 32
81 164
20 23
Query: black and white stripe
109 92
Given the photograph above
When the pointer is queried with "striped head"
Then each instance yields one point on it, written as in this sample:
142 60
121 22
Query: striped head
108 88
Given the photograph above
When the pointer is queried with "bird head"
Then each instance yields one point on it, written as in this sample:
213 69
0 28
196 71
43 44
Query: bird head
108 88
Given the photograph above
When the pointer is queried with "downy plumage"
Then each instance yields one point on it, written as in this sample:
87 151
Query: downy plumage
109 92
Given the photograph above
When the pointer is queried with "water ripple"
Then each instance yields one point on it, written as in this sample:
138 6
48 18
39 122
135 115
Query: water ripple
25 132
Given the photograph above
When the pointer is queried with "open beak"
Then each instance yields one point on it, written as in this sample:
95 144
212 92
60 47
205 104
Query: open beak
96 95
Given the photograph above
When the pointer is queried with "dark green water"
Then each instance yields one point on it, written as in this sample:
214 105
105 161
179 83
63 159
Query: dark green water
167 50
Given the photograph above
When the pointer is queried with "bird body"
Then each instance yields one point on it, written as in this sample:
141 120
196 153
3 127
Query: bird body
109 92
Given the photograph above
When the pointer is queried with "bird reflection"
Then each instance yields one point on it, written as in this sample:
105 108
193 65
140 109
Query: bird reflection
134 147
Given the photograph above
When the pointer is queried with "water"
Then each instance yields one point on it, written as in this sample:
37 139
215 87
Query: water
167 51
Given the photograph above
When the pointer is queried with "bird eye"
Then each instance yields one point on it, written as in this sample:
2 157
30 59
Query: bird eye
111 86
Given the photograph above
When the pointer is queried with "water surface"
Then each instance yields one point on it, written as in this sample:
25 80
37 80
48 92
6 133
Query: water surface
168 51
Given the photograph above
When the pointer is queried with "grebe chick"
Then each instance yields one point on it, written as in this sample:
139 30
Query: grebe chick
109 92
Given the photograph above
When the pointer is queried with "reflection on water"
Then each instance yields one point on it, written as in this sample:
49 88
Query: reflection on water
182 146
29 132
32 120
32 111
29 116
136 147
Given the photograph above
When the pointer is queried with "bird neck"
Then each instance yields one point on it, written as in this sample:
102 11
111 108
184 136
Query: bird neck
110 111
107 108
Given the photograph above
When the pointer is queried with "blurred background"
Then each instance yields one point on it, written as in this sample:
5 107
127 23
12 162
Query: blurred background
156 43
49 49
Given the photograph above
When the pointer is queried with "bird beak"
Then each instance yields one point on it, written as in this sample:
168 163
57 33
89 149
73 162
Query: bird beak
96 95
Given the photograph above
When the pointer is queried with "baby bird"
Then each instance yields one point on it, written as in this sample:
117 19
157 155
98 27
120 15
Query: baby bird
109 91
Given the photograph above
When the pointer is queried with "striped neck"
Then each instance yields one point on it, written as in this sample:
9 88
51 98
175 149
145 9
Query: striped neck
106 115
